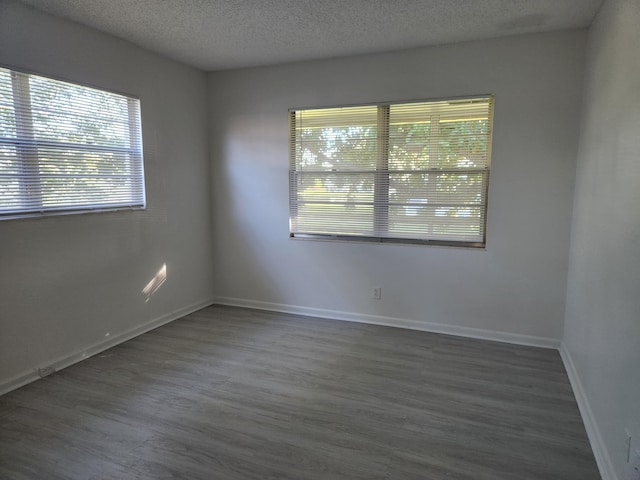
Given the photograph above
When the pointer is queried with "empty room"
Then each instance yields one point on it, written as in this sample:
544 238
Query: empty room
320 239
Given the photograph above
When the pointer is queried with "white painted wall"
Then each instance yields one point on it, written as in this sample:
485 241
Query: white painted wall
68 282
517 285
602 329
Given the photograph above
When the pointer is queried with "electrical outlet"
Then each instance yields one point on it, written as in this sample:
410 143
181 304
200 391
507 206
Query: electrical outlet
633 467
377 293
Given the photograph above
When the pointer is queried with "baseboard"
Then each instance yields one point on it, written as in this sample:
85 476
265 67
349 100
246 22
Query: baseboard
79 355
598 446
411 324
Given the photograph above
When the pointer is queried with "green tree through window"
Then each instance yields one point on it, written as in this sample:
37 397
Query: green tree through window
66 147
399 172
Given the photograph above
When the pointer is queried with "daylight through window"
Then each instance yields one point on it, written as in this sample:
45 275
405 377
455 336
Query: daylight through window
407 172
67 148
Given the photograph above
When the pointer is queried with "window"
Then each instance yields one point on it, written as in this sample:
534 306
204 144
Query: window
405 172
66 148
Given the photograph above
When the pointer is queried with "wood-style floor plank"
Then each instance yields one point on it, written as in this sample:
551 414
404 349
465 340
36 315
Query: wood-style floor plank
230 393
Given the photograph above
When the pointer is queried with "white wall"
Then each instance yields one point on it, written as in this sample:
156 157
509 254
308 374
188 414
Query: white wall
69 283
602 330
72 284
517 285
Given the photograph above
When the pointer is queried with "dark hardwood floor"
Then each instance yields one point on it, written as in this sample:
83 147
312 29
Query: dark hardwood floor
229 393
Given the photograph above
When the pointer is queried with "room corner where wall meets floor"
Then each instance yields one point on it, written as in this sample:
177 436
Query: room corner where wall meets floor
406 323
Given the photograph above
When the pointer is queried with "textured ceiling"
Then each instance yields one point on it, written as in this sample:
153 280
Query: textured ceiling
223 34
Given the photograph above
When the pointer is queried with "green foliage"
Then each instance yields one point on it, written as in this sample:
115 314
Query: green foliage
436 168
68 145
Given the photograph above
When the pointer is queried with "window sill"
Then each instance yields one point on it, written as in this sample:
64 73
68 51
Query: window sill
388 241
61 213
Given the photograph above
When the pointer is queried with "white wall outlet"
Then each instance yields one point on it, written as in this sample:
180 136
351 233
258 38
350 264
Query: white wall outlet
377 293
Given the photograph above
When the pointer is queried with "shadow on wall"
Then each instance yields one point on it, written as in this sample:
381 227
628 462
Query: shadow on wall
252 246
244 203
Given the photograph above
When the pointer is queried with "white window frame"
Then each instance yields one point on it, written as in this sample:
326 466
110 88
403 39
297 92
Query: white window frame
381 203
27 147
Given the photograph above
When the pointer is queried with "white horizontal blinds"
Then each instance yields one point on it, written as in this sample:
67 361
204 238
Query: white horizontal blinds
67 147
415 171
9 168
333 169
439 169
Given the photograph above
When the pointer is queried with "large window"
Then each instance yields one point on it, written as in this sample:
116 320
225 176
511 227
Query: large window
405 172
67 148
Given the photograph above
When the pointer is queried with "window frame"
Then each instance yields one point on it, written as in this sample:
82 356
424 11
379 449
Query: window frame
25 143
381 188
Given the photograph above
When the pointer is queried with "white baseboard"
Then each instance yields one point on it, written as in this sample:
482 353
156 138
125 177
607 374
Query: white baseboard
75 357
600 452
394 322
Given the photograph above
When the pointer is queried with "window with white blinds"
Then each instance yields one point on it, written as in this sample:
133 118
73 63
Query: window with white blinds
405 172
67 148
